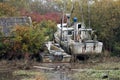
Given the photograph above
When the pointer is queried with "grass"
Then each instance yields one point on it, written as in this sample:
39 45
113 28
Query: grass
108 66
98 71
29 75
90 71
98 75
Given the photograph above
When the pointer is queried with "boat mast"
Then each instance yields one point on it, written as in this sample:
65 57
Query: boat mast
62 20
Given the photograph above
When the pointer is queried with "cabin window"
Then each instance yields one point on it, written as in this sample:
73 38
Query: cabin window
70 32
65 26
79 26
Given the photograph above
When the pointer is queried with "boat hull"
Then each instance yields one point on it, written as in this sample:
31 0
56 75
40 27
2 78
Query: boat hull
86 48
93 47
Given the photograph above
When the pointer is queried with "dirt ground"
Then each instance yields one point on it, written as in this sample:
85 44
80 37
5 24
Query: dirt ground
19 70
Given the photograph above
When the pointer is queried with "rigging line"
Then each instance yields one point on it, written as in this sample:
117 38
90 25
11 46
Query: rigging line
64 9
72 8
62 18
81 9
89 23
63 14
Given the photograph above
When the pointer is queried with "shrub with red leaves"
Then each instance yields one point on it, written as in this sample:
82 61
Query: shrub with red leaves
53 16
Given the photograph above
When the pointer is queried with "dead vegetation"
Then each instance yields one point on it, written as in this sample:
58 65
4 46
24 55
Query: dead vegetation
17 70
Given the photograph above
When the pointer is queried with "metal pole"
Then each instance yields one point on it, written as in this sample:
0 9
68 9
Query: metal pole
61 32
62 19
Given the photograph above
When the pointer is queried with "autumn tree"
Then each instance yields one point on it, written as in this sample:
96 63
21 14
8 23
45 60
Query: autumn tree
20 4
7 10
49 27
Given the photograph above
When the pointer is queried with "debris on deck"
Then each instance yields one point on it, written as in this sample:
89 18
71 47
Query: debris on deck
56 54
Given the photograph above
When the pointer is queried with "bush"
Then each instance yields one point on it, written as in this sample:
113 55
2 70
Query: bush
116 50
27 39
48 27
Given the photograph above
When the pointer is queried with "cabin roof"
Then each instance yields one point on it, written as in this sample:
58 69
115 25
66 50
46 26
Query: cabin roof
85 29
64 28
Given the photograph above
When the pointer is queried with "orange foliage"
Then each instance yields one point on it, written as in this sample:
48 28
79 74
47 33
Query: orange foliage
7 10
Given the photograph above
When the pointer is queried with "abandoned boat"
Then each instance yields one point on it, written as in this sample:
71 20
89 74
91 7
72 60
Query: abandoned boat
76 39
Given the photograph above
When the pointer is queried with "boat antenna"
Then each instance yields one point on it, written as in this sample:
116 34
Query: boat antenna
88 2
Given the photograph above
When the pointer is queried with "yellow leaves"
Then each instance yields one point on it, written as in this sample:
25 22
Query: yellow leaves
51 24
25 48
21 37
18 38
7 10
21 30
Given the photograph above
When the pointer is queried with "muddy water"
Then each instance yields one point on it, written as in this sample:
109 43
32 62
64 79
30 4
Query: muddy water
58 75
61 71
7 75
51 75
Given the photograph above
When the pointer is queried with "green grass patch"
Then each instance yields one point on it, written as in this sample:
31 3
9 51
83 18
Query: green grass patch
29 75
98 75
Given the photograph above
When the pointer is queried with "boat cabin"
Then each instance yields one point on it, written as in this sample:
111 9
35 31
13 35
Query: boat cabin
65 31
